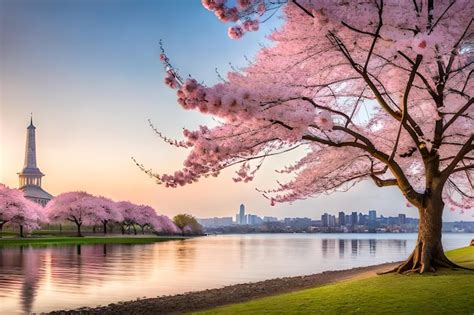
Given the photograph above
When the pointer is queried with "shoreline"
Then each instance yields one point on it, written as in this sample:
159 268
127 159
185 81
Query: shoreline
237 293
112 239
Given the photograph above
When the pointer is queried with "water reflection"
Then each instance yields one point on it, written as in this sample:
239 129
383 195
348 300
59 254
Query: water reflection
43 279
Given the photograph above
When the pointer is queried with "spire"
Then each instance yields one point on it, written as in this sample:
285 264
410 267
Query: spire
31 126
30 169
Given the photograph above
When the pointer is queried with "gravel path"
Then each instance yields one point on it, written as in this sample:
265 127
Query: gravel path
200 300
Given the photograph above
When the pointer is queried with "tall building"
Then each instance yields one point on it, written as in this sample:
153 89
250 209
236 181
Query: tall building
30 176
342 219
242 217
325 220
372 216
354 218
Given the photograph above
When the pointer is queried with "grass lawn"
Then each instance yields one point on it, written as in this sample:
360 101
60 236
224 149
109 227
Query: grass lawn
446 292
43 241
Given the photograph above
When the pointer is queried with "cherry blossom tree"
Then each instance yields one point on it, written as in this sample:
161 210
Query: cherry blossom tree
77 207
106 210
376 89
11 201
15 209
29 216
129 212
163 224
145 217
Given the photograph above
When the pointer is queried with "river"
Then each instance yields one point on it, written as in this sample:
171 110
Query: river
66 277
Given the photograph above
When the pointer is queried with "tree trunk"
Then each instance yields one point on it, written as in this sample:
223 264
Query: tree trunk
1 228
123 230
143 229
21 231
79 234
428 254
105 227
134 229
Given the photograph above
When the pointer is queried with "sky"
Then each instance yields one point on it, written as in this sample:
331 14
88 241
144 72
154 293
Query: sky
89 71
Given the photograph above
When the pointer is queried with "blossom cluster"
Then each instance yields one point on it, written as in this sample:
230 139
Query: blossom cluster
83 208
336 80
16 210
243 12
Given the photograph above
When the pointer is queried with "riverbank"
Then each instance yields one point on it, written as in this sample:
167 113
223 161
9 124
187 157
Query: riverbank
354 290
87 240
202 300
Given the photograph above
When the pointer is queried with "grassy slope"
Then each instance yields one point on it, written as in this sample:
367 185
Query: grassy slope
43 241
447 292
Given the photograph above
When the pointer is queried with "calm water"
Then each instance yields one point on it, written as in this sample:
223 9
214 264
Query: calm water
44 279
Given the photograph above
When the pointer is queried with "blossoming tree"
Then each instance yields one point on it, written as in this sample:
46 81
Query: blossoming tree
76 207
106 211
163 224
15 209
145 217
376 89
29 216
130 213
10 202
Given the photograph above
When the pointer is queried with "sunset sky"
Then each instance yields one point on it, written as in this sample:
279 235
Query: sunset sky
89 71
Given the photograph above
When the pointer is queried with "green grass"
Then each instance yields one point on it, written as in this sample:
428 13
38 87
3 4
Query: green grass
44 241
446 292
463 256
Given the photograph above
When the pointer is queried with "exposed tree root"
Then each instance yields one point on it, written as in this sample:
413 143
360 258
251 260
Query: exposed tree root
425 259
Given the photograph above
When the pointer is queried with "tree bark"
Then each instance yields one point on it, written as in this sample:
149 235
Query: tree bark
21 231
134 229
1 228
105 227
79 234
428 254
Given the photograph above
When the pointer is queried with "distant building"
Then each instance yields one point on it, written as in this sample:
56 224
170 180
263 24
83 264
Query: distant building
372 216
372 219
331 221
402 218
242 217
253 219
270 219
354 218
348 220
341 219
215 222
30 176
325 220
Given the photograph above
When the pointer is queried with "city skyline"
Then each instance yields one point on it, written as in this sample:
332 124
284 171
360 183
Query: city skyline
102 106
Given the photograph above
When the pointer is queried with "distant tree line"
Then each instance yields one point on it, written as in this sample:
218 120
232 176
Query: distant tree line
83 209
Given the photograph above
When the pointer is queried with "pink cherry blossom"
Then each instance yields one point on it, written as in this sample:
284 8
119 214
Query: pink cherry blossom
77 207
369 90
15 209
235 32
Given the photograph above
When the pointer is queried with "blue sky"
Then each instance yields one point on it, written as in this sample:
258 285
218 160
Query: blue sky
89 71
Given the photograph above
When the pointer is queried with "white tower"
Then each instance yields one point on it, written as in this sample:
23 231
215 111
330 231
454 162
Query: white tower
30 176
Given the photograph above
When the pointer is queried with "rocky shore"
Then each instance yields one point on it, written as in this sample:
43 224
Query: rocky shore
200 300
